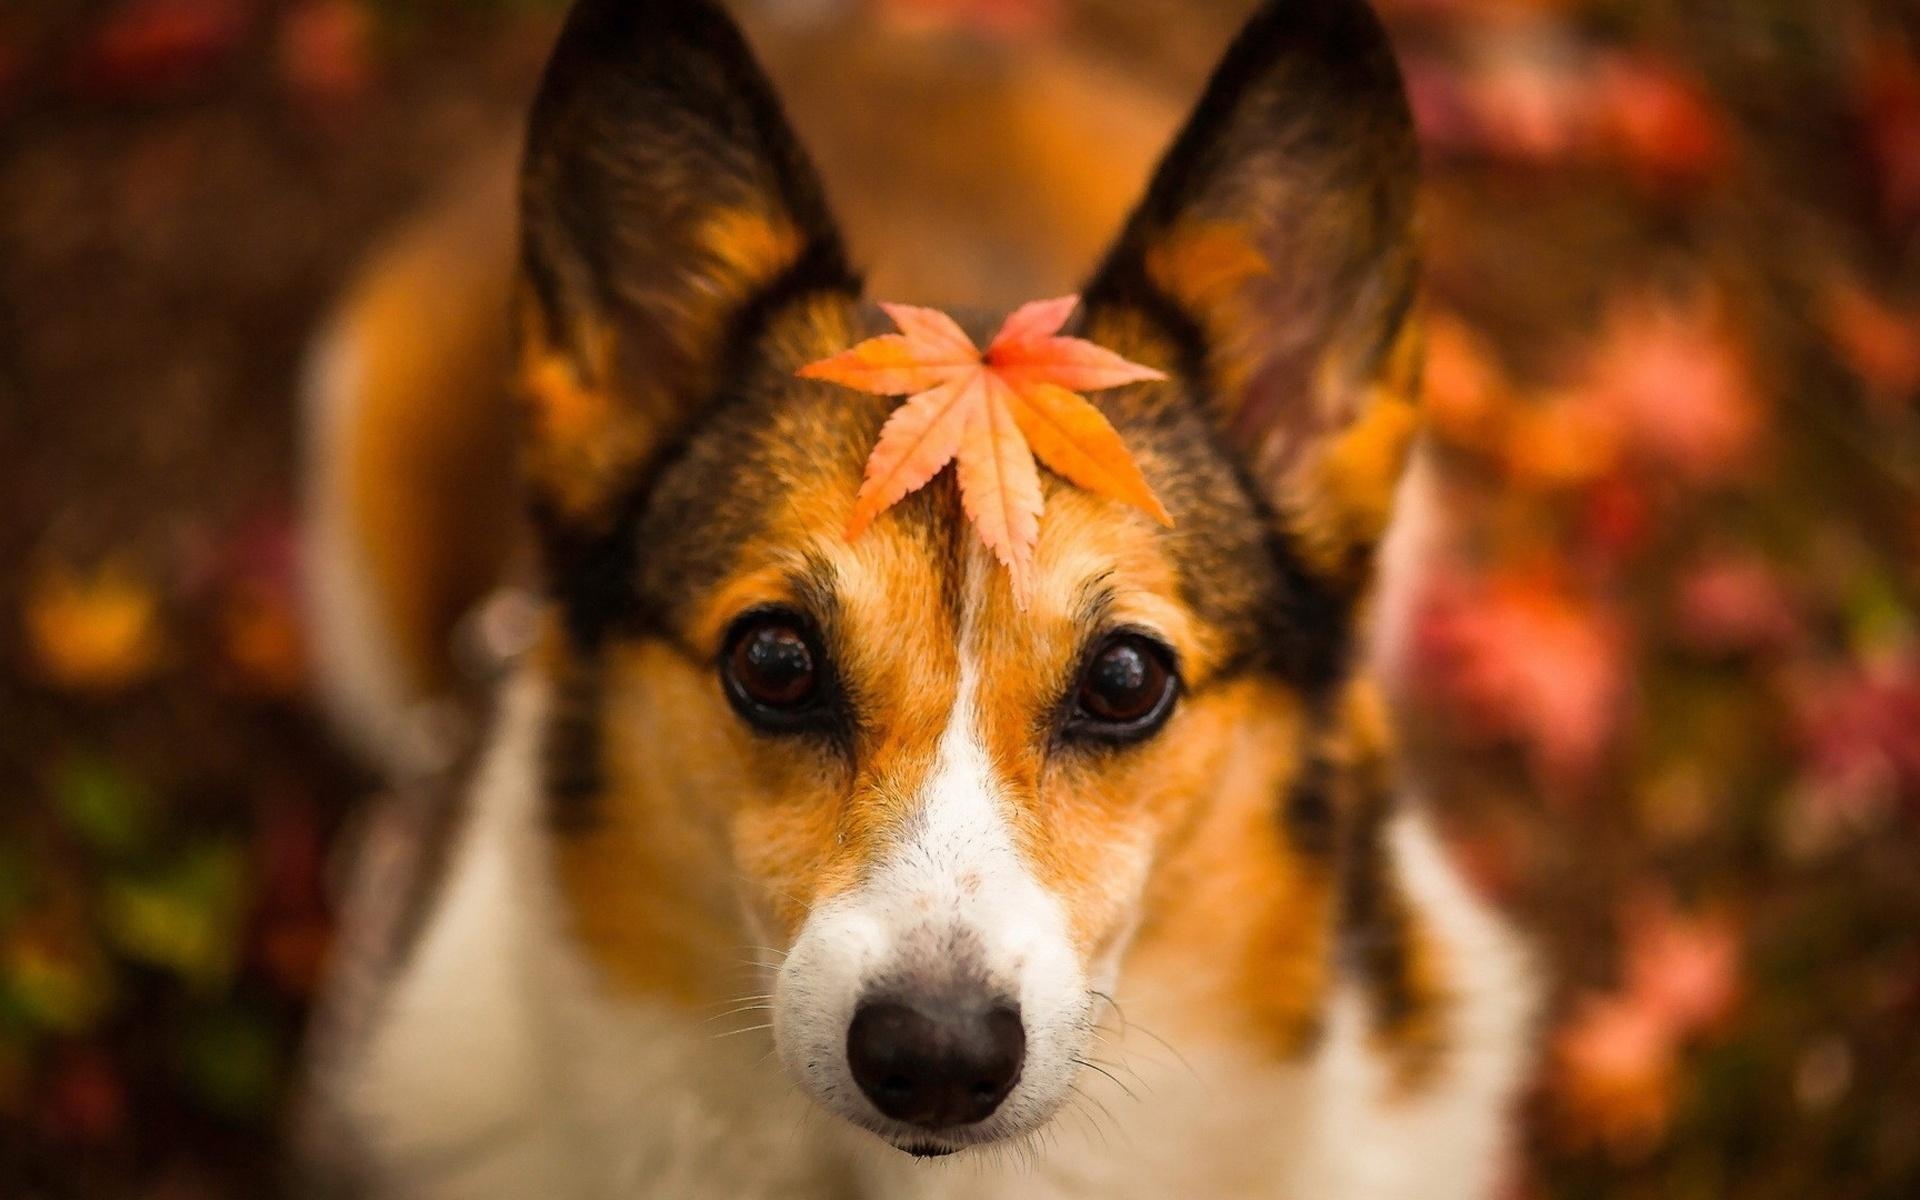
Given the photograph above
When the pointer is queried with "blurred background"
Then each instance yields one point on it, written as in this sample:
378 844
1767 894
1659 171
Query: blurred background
1665 679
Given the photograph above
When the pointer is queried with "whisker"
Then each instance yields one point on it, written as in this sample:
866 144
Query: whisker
1097 1102
800 1122
773 950
745 1008
1122 1065
781 892
1110 1075
1127 1027
1030 1150
1086 1125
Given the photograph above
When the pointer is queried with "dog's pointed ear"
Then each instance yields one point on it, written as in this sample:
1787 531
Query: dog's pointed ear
1272 266
667 212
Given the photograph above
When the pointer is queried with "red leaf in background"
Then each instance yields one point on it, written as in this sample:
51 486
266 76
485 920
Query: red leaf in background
1527 105
248 577
262 639
1658 121
293 932
326 51
1678 383
1616 1059
1534 91
17 1097
1686 968
1615 1074
1733 602
1859 730
1442 113
289 857
85 1099
1877 343
1517 655
293 952
1891 110
1615 519
154 47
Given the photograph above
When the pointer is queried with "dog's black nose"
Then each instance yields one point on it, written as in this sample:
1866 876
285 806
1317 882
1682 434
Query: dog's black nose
936 1063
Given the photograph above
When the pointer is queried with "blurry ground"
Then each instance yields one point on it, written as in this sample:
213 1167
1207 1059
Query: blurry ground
1667 681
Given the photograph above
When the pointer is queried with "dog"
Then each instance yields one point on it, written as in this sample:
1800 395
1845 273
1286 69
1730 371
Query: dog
792 865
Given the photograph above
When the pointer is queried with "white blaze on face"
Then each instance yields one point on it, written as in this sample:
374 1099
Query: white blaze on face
950 905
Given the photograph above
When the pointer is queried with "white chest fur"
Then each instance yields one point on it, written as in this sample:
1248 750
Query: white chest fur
500 1068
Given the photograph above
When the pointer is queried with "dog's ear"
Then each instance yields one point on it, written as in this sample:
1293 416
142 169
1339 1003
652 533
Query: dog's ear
1272 264
667 213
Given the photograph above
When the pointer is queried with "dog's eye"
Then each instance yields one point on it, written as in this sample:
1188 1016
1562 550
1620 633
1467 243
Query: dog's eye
772 670
1127 689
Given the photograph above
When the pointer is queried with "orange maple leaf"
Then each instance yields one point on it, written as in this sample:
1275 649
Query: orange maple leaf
992 411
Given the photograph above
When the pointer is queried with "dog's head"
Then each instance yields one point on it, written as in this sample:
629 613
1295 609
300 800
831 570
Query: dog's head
945 819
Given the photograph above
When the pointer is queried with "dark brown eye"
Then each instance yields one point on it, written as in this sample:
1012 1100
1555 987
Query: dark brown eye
1126 689
772 670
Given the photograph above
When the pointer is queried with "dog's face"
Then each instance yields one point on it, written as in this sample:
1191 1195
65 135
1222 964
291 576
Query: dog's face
938 820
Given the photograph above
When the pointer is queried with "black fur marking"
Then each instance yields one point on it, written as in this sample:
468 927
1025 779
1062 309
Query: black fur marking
1309 632
589 571
820 268
1340 41
1375 933
1336 813
1122 283
592 571
573 748
1303 625
1310 814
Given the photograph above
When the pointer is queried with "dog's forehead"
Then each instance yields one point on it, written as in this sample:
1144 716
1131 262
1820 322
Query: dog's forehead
753 510
758 494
